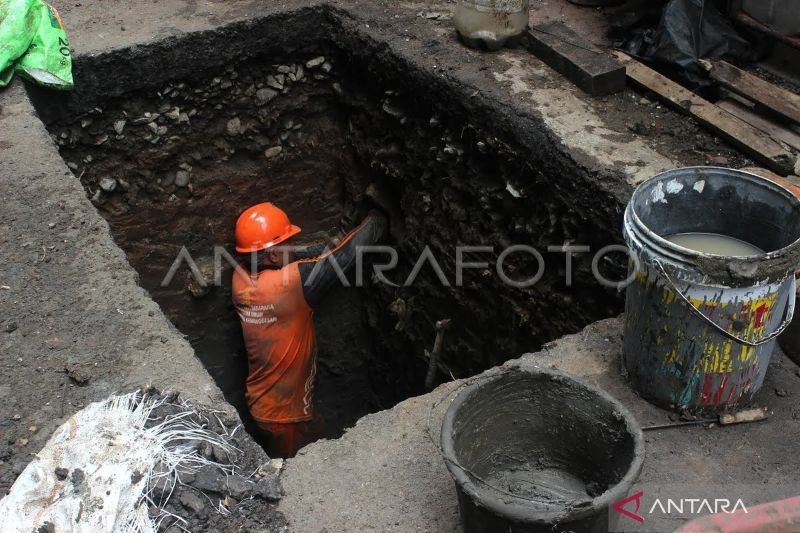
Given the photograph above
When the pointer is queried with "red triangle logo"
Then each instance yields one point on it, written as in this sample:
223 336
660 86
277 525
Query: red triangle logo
619 507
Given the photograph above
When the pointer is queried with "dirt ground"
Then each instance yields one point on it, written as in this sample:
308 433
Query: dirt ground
76 326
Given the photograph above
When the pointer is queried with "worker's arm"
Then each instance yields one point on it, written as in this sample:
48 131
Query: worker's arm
320 274
311 251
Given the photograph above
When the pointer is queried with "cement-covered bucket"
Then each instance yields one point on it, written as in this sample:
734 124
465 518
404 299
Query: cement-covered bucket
539 451
700 327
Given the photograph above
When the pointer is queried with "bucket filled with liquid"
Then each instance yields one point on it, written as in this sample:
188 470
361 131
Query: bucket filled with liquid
714 252
536 450
490 23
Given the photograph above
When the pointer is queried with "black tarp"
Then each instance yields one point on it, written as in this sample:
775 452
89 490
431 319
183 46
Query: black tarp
688 31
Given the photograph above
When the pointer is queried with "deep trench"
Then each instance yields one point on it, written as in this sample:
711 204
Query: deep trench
459 171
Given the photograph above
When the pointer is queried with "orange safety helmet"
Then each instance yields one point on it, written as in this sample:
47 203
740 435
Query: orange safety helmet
262 226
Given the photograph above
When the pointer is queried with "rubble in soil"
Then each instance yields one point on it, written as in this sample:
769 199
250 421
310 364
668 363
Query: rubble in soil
233 493
170 135
463 176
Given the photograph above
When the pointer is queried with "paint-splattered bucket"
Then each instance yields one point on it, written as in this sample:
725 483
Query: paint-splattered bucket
700 328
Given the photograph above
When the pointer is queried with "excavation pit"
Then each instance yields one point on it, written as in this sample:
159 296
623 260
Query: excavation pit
171 153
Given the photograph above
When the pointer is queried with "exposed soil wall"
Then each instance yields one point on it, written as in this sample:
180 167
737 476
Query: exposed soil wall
467 173
171 160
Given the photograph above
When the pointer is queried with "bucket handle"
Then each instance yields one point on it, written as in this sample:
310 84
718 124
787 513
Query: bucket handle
788 312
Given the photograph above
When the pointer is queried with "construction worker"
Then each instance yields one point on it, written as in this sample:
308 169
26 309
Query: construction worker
276 308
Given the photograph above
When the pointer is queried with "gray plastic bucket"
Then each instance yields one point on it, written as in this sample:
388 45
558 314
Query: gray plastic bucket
539 451
700 328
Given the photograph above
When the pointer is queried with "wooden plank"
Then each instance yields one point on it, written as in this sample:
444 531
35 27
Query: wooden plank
776 131
776 99
591 69
748 139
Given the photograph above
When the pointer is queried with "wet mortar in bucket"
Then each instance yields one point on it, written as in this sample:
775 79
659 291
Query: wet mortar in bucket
537 450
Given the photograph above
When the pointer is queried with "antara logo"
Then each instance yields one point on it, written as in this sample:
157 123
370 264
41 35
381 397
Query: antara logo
629 507
637 501
698 506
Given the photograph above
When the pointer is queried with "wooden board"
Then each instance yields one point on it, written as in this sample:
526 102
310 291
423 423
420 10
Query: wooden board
750 140
776 131
594 71
772 97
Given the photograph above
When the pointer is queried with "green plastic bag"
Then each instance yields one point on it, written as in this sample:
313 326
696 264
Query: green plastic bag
34 44
18 24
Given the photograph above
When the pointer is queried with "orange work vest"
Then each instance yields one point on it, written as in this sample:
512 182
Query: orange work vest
279 335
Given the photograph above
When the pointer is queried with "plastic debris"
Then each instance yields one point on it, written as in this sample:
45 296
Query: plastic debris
689 31
100 469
